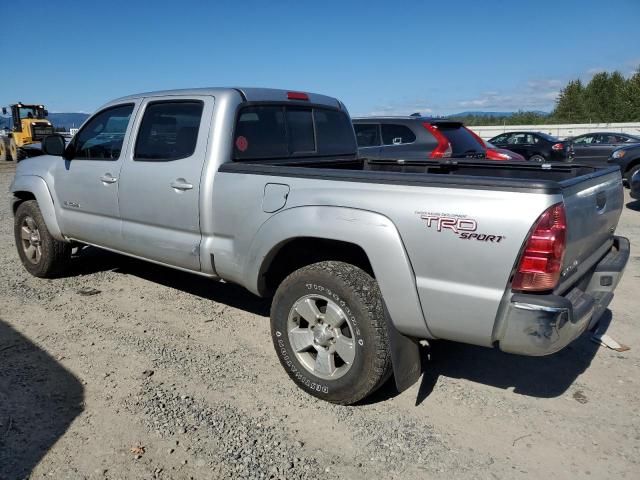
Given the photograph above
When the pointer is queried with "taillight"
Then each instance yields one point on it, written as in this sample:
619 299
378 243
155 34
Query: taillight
557 146
443 149
297 96
492 154
541 260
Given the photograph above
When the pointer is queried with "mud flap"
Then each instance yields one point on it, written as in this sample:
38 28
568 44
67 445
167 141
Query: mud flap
405 356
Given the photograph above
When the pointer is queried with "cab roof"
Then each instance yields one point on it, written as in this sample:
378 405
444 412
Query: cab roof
249 94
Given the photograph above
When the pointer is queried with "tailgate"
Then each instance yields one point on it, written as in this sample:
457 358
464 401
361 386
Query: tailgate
593 206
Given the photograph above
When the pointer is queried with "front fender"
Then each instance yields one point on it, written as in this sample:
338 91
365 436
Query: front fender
38 188
374 233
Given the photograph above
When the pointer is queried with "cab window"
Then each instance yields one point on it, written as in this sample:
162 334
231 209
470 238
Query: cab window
168 131
102 137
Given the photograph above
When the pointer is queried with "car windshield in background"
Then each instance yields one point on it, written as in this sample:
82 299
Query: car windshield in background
264 132
462 141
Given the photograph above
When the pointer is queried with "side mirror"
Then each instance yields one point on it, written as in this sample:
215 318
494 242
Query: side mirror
46 113
53 145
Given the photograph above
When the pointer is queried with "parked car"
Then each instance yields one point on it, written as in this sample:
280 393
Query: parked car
595 148
635 185
363 257
628 159
535 146
494 153
415 138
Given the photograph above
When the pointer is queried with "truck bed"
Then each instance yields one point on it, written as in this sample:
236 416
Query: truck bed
543 178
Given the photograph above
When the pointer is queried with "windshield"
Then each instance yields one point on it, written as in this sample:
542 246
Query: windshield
30 112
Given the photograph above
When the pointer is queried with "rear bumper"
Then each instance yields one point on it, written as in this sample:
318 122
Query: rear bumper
543 324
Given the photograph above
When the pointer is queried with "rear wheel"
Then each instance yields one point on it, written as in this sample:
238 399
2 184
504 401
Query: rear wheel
3 151
329 331
537 158
40 253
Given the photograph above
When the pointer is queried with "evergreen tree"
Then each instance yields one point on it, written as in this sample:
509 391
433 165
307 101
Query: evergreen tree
570 105
632 98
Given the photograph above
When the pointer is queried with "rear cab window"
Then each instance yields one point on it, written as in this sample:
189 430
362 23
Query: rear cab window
266 132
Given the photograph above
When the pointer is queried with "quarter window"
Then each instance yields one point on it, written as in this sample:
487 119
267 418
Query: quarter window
395 134
102 137
168 131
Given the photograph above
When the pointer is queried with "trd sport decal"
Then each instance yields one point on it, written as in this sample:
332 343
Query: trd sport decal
461 225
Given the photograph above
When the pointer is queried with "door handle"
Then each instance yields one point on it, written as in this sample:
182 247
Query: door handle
107 178
181 184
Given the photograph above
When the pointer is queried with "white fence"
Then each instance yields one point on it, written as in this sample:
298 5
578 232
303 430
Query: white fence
560 131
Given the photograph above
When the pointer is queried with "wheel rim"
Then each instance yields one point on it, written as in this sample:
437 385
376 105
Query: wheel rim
31 244
321 336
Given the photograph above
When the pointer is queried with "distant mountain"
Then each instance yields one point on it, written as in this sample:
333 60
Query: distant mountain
491 114
64 120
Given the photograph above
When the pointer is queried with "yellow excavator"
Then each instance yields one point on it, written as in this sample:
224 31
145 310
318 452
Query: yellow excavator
30 125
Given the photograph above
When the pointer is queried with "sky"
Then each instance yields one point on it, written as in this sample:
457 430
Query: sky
378 57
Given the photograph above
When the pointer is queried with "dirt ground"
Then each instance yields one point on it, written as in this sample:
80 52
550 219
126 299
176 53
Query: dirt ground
160 374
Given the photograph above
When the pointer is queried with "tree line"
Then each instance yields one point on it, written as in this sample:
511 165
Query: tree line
607 98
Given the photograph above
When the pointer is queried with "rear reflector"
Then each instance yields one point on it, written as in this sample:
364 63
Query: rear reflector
297 96
443 150
557 146
541 260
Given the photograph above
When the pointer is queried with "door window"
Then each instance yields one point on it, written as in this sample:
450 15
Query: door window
102 137
393 134
500 139
367 134
168 131
520 139
585 140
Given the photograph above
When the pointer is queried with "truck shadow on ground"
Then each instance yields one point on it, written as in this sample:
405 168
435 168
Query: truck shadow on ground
541 377
39 399
92 260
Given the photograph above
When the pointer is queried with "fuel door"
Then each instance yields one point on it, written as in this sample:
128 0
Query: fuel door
275 197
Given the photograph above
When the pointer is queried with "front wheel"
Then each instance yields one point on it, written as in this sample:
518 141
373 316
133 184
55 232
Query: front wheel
627 176
329 331
40 253
537 158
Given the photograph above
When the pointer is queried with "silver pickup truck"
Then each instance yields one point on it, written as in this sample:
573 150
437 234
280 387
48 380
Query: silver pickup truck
363 258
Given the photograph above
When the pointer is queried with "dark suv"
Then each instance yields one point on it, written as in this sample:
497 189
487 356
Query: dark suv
415 138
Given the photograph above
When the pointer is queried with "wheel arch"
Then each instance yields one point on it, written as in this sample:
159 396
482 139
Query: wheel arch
632 163
31 187
369 239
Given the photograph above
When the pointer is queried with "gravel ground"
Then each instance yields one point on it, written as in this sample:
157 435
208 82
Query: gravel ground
160 374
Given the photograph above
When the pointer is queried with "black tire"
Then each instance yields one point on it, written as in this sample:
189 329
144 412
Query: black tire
357 294
537 158
4 154
628 174
54 255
